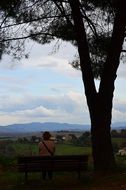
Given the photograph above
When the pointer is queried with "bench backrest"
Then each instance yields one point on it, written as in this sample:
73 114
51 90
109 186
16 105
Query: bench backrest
55 163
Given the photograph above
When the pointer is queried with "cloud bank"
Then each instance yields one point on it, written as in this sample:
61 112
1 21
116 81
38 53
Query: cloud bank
46 88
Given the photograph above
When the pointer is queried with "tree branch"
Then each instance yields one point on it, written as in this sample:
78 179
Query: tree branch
34 20
90 23
123 50
28 36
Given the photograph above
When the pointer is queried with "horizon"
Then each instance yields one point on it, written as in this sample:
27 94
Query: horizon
30 128
63 123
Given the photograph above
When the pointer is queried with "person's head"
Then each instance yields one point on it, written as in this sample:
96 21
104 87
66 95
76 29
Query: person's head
46 135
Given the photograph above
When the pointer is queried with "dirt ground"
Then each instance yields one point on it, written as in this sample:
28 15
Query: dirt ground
113 181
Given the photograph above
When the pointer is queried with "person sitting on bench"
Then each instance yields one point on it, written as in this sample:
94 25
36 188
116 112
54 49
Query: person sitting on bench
46 148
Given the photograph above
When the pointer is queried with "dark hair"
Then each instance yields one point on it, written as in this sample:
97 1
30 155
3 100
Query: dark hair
46 135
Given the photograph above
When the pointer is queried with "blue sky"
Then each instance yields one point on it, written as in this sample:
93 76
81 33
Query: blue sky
45 88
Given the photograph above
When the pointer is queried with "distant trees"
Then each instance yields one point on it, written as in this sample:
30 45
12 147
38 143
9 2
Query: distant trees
31 139
82 140
85 139
6 148
118 133
34 139
60 138
72 138
114 133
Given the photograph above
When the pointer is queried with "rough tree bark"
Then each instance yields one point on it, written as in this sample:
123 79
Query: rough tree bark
100 103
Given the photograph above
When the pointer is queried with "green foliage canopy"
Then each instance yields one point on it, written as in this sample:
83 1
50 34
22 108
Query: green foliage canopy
46 20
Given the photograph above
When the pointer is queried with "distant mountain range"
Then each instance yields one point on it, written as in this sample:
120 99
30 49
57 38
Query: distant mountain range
38 127
50 126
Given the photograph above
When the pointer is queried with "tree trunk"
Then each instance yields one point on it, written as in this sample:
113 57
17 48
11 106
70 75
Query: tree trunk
100 104
102 149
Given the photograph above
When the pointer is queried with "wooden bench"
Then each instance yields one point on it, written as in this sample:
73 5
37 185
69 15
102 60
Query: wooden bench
66 163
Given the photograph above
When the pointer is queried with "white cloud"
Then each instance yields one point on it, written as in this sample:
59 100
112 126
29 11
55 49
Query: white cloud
118 115
65 108
26 96
120 105
59 65
121 73
70 107
119 110
41 58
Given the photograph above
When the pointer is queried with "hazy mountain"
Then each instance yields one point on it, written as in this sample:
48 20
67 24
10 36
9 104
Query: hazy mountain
119 125
37 127
50 126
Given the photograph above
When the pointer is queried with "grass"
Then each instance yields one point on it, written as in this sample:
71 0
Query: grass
26 149
119 141
64 181
61 181
10 179
71 149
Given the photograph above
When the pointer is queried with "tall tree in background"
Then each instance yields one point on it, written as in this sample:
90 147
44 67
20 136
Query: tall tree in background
97 28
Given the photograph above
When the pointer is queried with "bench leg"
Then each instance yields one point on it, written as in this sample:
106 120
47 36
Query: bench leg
47 174
44 173
26 177
79 174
